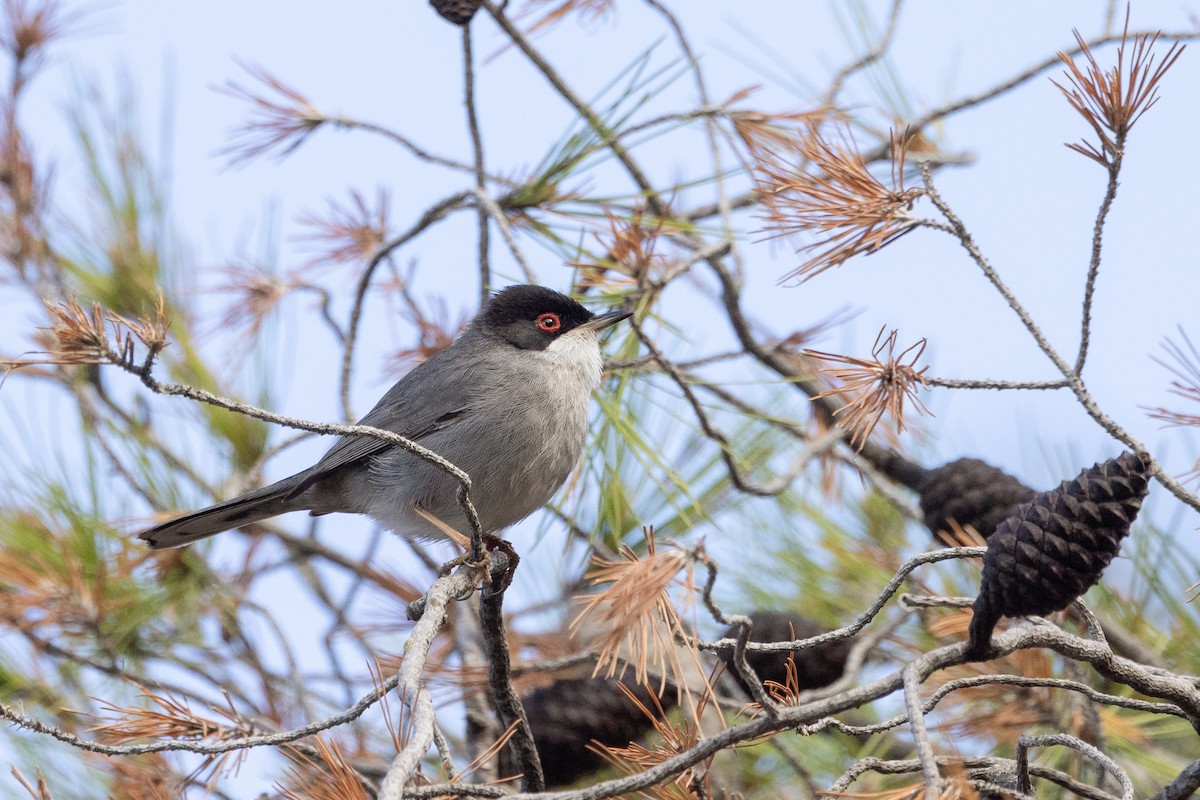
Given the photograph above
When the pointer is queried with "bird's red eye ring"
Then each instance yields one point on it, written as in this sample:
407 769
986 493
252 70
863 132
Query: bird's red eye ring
548 322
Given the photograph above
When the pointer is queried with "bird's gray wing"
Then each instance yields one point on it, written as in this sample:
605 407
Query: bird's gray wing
434 396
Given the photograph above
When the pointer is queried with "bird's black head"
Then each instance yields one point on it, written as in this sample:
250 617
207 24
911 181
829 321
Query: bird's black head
531 317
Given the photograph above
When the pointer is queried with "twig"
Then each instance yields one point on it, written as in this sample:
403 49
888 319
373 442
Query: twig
582 108
1110 194
555 664
998 679
744 626
206 748
412 690
1094 628
916 724
1110 15
885 483
960 232
740 480
696 254
485 270
723 645
647 362
443 748
852 670
1185 785
954 383
710 122
360 568
483 728
432 215
978 766
1028 74
807 787
1062 739
866 60
403 141
1074 381
490 208
508 703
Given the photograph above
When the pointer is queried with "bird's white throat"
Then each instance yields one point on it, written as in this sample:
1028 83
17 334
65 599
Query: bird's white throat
576 357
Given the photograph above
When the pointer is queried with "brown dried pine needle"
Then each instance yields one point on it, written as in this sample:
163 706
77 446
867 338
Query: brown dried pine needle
1186 368
282 118
1113 100
629 247
435 328
351 232
253 295
588 11
825 189
634 613
327 776
29 25
79 336
879 385
145 777
956 787
668 740
770 134
788 692
170 717
39 792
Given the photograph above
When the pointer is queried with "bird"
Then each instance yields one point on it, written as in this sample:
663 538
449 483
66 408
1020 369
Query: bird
506 402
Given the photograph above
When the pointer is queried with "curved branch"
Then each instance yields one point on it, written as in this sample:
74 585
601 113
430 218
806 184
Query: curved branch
435 213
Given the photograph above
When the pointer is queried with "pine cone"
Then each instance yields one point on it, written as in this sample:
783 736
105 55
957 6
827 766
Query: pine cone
971 492
1053 549
568 714
457 11
815 666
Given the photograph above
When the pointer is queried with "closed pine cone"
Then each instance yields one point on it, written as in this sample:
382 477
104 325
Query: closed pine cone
1054 549
970 492
567 715
815 666
457 11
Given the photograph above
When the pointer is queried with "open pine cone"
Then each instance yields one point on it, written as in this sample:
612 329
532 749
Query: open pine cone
1053 549
970 492
815 666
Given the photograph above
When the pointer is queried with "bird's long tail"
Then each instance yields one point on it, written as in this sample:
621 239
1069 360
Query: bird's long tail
269 501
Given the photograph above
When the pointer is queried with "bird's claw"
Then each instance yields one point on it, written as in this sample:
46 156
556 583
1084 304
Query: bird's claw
502 581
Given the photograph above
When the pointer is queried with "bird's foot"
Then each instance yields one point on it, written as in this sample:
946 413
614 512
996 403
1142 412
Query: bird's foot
493 543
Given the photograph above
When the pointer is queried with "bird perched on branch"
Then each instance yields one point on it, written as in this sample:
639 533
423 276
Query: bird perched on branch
507 403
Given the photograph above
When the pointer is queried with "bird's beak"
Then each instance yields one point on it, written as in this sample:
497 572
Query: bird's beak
603 321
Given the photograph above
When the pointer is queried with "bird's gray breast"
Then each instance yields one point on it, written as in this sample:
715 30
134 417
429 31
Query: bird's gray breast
518 436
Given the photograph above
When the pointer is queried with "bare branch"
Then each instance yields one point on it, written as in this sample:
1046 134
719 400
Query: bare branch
1062 739
508 703
432 215
1185 785
413 692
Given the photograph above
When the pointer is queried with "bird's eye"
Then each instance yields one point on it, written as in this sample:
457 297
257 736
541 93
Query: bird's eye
548 322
